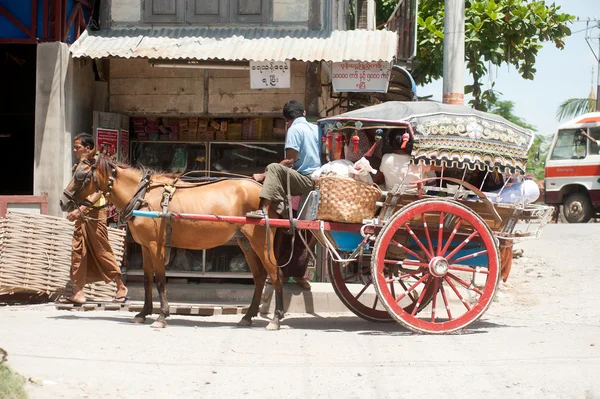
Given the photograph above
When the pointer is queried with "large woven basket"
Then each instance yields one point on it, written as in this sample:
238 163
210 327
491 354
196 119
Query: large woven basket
342 199
35 256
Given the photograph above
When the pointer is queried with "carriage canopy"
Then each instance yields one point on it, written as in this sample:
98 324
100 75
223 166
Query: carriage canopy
450 135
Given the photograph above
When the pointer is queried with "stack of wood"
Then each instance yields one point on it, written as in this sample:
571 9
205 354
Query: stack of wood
35 256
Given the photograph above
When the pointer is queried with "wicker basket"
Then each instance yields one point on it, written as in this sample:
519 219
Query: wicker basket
346 200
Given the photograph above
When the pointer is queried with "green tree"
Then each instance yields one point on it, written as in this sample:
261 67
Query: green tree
573 107
496 31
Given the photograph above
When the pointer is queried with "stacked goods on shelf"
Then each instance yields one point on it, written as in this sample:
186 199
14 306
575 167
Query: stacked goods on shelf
152 128
139 128
174 132
265 129
183 129
257 128
234 131
164 128
279 128
192 130
201 129
35 256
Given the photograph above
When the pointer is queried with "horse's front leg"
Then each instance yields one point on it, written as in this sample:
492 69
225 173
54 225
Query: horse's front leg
148 265
161 284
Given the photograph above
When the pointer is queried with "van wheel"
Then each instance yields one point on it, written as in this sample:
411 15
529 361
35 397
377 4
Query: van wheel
577 208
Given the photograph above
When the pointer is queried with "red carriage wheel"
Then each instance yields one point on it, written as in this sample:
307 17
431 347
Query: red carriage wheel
440 249
343 277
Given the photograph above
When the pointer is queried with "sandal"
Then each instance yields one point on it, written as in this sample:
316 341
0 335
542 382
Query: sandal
258 214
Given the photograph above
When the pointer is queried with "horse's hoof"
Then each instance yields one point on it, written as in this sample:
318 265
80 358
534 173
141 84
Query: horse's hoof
244 323
272 326
159 324
138 320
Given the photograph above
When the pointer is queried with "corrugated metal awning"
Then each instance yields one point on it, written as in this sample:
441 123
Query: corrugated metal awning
238 44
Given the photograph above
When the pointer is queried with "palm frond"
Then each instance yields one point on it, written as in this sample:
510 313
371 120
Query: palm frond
575 106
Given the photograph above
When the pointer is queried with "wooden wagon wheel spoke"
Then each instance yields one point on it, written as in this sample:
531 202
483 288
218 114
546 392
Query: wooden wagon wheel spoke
434 301
446 304
454 231
397 244
465 284
414 263
422 296
461 245
451 284
442 267
470 256
440 252
419 243
467 269
351 277
431 251
412 288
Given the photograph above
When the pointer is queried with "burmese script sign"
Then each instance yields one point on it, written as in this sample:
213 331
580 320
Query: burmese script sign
269 75
353 76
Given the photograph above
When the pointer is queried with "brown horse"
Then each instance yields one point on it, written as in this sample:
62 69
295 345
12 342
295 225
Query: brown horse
226 198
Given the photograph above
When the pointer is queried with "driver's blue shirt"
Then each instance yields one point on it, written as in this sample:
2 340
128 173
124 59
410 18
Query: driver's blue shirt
303 137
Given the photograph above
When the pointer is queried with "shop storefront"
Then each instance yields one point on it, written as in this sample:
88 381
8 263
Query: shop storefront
177 115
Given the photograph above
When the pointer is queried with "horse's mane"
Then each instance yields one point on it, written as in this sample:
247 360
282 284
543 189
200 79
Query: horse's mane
105 165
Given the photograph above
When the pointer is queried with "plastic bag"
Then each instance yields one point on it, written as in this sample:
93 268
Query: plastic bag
362 169
340 167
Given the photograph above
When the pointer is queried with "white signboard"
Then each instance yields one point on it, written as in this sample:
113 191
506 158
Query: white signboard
361 76
269 75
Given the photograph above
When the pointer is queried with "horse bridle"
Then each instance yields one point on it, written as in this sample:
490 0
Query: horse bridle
82 179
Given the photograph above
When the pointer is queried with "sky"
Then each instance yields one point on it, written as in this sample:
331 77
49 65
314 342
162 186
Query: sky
561 74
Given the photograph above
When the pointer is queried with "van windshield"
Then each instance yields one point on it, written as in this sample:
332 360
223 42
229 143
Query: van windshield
570 144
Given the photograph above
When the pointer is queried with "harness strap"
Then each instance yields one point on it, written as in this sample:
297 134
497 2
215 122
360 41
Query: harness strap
138 198
168 192
292 226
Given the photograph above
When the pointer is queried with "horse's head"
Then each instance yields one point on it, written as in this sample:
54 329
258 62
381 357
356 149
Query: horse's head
91 175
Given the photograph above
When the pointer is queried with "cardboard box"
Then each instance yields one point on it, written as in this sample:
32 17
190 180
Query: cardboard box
234 131
215 125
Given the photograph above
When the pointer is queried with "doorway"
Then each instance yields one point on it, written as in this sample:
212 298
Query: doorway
17 117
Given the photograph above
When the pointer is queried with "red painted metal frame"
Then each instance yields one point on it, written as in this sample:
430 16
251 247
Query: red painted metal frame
55 23
284 223
5 200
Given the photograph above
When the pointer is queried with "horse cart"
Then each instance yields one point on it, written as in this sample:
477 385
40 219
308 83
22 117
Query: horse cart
431 249
427 254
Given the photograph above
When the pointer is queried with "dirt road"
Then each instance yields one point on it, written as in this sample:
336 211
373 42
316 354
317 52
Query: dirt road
540 339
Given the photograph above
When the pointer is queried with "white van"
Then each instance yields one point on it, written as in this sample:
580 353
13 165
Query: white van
573 169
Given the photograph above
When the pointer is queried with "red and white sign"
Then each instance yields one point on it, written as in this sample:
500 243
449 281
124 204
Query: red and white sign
124 146
350 76
107 142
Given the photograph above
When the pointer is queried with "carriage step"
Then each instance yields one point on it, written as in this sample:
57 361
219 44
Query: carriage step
174 308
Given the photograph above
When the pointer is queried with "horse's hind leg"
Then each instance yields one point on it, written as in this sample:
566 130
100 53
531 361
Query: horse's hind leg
259 275
256 236
148 282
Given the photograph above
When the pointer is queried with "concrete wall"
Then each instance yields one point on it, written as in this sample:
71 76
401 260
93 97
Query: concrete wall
64 98
290 10
138 88
126 11
296 12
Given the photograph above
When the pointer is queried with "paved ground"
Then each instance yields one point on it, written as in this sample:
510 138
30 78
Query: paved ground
540 339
